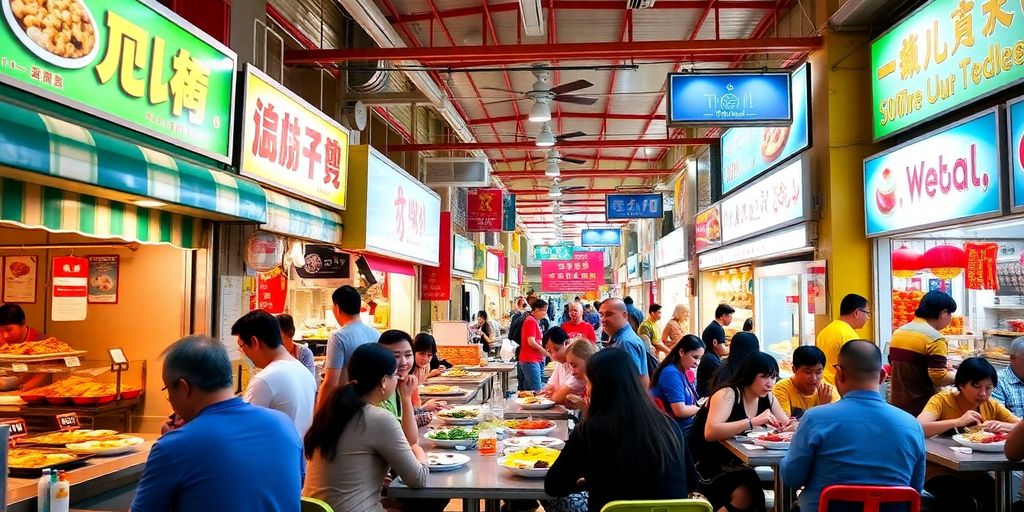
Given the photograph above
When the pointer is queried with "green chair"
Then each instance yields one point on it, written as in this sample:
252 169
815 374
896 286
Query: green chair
314 505
658 506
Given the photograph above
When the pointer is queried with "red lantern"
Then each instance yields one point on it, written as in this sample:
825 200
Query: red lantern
945 261
906 262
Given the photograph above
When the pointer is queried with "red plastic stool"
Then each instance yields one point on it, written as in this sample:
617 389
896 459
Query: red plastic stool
871 496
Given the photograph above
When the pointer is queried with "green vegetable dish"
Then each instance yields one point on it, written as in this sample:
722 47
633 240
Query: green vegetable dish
454 434
459 414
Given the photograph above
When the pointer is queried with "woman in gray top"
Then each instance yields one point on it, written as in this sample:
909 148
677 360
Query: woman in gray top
352 442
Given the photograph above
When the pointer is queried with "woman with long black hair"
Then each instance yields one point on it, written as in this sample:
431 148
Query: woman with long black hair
670 386
625 448
353 441
740 404
742 345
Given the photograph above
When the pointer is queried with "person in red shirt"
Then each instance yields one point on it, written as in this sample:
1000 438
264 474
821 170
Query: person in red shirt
13 328
576 327
531 353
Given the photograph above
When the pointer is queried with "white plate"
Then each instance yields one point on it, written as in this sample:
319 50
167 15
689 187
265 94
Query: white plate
446 461
518 443
89 448
544 404
526 472
452 392
45 54
459 422
449 443
981 447
538 432
772 445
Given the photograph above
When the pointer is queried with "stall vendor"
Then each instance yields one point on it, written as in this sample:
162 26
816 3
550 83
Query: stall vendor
13 328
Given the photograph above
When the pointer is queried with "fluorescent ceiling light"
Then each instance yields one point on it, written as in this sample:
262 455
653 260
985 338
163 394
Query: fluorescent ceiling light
545 138
540 112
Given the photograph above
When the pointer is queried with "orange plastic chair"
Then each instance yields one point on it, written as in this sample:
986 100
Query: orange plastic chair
687 505
871 496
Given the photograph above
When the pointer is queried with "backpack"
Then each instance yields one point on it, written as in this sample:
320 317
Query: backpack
515 331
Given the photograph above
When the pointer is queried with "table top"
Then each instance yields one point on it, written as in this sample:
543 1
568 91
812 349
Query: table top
480 478
493 366
476 381
938 449
762 457
462 399
513 411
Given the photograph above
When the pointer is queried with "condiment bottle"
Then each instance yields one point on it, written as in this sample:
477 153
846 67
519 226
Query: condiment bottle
43 492
60 494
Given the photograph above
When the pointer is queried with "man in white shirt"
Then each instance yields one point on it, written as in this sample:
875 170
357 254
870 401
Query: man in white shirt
561 383
283 384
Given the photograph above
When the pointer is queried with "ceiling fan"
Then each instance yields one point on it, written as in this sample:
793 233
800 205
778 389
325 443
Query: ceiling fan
557 189
545 138
552 158
543 93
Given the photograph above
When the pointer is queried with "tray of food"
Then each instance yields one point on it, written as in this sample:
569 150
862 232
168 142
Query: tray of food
64 438
78 390
529 427
106 447
775 440
459 373
535 402
982 441
453 437
441 390
30 462
464 415
35 351
530 462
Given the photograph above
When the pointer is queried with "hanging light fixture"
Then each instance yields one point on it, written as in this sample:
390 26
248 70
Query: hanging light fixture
945 261
540 112
552 170
906 262
545 138
555 191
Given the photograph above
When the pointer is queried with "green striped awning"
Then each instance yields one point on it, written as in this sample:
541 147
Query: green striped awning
52 147
35 206
300 219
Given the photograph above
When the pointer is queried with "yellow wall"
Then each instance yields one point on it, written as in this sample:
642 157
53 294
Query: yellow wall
151 313
841 98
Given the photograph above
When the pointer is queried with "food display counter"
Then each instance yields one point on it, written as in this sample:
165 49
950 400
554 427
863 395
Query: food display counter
96 476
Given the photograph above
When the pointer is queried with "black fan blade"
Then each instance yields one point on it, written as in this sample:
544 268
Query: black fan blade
500 89
571 160
577 187
578 100
570 87
499 101
570 135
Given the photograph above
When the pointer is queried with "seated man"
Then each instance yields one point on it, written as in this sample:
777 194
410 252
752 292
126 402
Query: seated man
806 388
889 442
228 455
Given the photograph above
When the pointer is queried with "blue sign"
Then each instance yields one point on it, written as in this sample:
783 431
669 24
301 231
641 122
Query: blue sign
749 152
733 99
1015 114
633 206
605 237
947 175
508 212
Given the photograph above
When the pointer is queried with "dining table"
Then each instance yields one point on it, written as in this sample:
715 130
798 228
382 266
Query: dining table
480 479
754 455
940 451
515 410
479 380
500 368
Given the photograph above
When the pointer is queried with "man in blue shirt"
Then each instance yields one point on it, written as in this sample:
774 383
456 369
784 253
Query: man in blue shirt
615 322
633 313
591 317
228 455
859 440
344 341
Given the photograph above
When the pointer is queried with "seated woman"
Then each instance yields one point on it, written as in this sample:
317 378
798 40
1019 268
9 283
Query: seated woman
483 326
669 384
352 441
625 448
400 344
740 404
427 363
576 357
970 408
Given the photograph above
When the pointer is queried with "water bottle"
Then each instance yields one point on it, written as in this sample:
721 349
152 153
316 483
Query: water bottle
43 492
60 494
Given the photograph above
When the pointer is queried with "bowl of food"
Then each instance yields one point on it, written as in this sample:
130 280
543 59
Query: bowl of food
535 403
460 416
529 427
453 437
61 32
982 441
530 462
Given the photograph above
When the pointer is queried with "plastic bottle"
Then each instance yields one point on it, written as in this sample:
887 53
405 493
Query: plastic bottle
43 492
60 494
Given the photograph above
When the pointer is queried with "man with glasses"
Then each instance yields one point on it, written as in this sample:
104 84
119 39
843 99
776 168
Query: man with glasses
853 314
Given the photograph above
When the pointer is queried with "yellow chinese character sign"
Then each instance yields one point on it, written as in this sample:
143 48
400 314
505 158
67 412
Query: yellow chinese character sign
290 144
944 55
131 62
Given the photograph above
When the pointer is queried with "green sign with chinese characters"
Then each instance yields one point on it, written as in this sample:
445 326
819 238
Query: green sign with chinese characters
562 252
131 62
947 53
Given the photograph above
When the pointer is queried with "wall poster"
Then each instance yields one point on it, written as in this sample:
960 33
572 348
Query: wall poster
19 279
103 279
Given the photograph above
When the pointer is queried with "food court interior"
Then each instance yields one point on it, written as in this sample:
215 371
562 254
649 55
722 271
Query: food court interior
451 161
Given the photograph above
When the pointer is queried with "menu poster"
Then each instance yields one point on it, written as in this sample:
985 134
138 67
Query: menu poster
103 279
70 296
817 296
271 291
19 279
981 266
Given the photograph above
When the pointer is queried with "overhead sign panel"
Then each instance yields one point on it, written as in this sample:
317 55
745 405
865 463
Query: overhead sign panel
634 206
947 175
947 53
729 99
603 237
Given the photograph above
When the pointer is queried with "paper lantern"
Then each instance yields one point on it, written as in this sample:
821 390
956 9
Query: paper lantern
906 262
945 261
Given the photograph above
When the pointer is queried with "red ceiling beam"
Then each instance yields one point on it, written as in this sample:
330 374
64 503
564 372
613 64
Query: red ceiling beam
568 144
507 54
529 158
590 173
577 192
579 4
569 115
